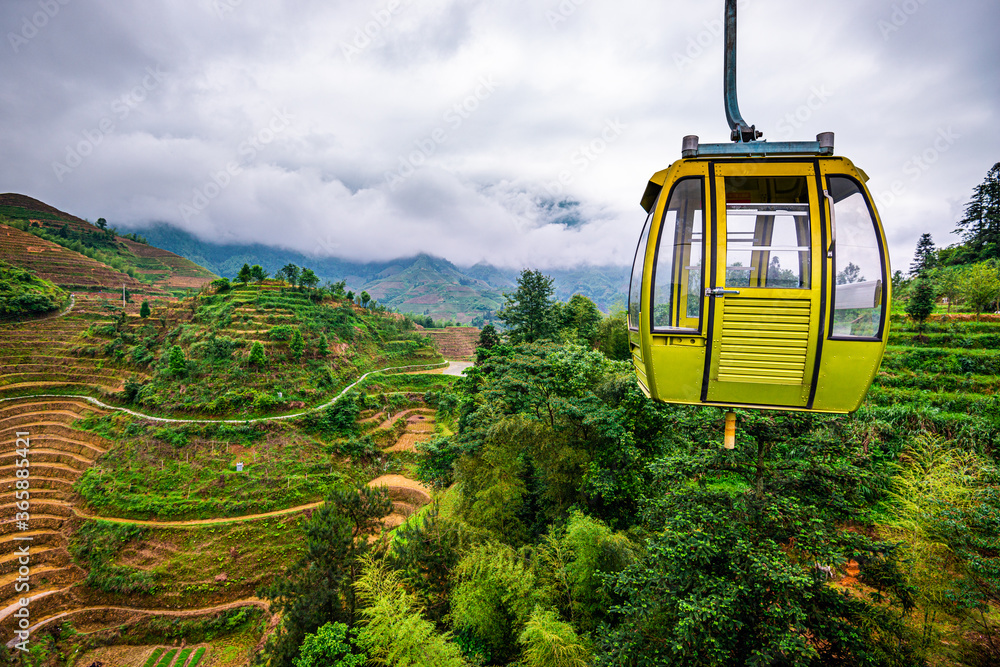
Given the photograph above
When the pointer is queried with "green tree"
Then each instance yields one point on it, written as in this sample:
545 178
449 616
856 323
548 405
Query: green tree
308 279
394 632
144 310
244 276
289 273
980 285
257 356
921 302
612 336
258 273
530 313
297 345
365 298
734 578
488 337
177 364
102 224
319 587
493 599
550 642
426 551
329 647
581 320
924 258
323 349
980 227
948 280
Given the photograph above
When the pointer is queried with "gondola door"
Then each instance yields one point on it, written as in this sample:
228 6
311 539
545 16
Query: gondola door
765 285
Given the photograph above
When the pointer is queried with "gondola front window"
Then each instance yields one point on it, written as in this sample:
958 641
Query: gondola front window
678 279
859 267
635 284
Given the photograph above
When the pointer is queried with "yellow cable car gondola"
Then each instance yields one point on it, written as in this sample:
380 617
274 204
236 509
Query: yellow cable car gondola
761 278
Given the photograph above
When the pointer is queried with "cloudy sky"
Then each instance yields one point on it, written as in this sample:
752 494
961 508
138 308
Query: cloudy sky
520 132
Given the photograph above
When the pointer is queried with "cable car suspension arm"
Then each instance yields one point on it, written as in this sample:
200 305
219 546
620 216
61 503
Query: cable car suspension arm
742 132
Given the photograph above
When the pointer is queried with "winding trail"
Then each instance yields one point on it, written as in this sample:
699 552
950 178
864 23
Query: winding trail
396 483
256 420
246 602
198 522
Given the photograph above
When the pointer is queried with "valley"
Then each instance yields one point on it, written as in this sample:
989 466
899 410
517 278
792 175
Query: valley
217 472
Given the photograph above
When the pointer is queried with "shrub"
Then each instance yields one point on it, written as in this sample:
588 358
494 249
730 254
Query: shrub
257 357
178 365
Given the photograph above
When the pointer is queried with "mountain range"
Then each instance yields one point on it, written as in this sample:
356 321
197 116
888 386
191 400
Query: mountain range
422 284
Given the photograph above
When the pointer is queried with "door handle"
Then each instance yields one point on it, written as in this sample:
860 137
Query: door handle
720 291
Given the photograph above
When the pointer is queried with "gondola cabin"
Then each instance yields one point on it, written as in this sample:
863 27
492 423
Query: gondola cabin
761 280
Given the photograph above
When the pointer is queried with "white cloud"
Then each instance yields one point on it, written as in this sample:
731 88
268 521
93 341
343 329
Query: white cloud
372 87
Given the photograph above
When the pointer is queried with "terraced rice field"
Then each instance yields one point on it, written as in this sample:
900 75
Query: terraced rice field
458 343
40 356
63 267
58 455
945 379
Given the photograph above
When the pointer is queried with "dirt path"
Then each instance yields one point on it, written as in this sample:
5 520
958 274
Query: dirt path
140 415
198 522
247 602
66 311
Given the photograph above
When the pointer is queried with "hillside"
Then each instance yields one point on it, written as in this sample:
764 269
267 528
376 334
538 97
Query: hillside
138 519
464 292
160 270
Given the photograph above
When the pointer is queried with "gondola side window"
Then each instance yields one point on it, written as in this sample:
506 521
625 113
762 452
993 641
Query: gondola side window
638 264
678 279
858 263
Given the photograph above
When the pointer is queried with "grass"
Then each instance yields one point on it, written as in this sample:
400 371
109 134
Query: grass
153 657
189 472
198 655
167 658
182 657
216 332
185 564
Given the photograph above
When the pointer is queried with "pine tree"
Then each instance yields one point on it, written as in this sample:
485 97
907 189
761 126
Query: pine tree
244 275
488 337
530 313
323 349
144 310
921 302
257 357
981 224
297 346
924 258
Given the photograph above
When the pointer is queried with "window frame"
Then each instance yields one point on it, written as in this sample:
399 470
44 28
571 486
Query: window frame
684 331
644 234
883 260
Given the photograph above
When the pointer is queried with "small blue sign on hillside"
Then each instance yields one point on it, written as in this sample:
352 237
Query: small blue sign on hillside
239 467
